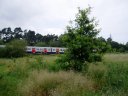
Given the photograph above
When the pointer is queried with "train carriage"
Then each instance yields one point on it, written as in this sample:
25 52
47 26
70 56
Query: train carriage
43 50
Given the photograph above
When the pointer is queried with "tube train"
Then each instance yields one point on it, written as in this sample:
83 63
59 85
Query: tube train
43 50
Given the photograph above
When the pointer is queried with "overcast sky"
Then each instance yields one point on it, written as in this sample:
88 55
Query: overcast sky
52 16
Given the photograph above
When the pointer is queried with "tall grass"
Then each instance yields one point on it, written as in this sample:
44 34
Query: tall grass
116 58
37 75
15 70
46 83
111 76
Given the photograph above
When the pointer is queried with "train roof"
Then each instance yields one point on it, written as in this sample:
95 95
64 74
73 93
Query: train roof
45 47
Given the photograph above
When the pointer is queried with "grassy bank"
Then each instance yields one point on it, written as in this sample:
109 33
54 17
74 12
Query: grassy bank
38 75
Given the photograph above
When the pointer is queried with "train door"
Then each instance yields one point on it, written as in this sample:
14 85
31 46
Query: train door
33 50
57 51
45 50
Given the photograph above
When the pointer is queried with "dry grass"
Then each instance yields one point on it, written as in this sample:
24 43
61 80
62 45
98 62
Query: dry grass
97 67
61 83
116 58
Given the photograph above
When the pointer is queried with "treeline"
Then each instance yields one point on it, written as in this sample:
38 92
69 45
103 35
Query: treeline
113 46
35 39
31 37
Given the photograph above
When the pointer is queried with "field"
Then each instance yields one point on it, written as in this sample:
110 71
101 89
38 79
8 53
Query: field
39 75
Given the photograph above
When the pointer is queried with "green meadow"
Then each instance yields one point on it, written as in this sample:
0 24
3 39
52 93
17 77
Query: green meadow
39 75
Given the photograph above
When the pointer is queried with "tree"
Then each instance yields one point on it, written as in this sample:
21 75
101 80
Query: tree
6 34
126 47
104 45
18 33
30 37
60 39
81 41
109 40
0 35
41 44
55 43
38 37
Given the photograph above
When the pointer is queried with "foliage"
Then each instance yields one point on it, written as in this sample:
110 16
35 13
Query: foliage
15 48
1 42
30 37
81 41
33 38
18 33
55 43
94 57
41 44
116 47
3 52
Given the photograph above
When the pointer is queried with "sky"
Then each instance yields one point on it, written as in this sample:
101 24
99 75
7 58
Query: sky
52 16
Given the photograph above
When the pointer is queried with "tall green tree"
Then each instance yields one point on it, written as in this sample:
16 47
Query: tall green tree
30 37
81 41
38 37
18 33
6 34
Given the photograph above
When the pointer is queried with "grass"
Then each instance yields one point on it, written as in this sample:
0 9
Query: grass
44 83
39 75
116 58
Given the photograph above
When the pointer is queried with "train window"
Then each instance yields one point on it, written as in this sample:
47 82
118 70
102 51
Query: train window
53 49
28 48
49 49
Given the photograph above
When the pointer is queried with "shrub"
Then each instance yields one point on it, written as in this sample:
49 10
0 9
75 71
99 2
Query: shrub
95 57
2 52
15 48
65 63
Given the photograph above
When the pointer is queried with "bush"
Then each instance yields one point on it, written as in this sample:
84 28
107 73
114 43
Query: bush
2 52
64 63
95 57
15 48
